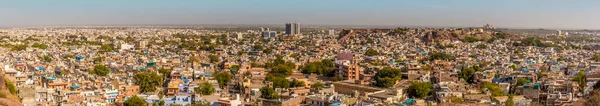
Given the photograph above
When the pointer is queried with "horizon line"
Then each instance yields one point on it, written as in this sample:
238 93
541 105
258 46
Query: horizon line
275 25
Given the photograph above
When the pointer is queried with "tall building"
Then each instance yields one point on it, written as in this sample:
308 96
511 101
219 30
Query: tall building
292 28
558 32
330 32
269 34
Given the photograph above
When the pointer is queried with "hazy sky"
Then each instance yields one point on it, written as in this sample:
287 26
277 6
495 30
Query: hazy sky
453 13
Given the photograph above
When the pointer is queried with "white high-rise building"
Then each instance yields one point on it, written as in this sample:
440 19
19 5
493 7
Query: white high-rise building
292 28
330 32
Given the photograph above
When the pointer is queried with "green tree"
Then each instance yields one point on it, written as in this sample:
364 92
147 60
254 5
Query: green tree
317 85
471 39
268 51
11 86
371 52
521 81
455 99
161 103
135 101
281 70
323 67
40 46
205 89
213 58
280 82
509 101
148 81
440 56
223 78
268 93
107 48
294 55
235 67
467 74
47 59
337 78
164 72
481 46
580 79
387 77
513 67
596 57
495 90
420 89
98 60
100 70
296 83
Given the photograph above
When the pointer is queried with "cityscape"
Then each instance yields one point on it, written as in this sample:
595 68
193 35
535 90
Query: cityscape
82 61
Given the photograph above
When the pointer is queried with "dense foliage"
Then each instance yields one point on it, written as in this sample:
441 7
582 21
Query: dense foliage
521 81
495 90
134 101
100 70
40 46
205 89
11 86
317 85
223 78
580 79
269 93
387 77
371 52
324 67
440 56
420 89
148 81
468 73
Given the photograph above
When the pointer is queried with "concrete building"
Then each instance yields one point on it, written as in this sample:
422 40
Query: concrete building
292 28
330 32
269 34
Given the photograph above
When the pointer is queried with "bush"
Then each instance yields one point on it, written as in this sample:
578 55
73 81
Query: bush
11 86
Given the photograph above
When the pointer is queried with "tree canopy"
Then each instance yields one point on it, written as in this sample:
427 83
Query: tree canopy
223 78
47 59
107 48
317 85
213 58
147 81
40 46
324 67
164 72
135 101
420 89
468 73
387 77
596 57
100 70
509 101
371 52
279 82
205 89
495 90
440 56
269 93
580 79
521 81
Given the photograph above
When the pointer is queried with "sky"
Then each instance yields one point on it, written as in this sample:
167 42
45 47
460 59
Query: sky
569 14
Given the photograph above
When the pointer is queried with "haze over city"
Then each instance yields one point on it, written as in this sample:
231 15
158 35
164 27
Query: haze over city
553 14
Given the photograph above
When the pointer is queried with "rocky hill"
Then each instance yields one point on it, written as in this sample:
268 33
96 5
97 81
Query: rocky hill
6 97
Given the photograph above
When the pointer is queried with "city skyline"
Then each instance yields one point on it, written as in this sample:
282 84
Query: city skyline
551 14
